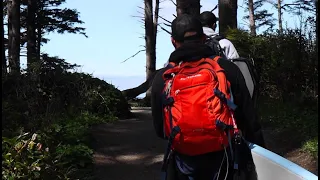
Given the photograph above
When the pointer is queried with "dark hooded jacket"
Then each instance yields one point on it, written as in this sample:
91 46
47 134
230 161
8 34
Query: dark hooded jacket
245 114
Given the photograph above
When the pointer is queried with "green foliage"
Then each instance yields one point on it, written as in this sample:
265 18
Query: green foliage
31 101
311 146
298 119
59 151
303 119
262 17
287 63
52 17
24 157
60 106
288 85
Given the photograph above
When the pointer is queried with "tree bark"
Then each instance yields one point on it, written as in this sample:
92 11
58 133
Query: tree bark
191 7
4 59
251 19
316 4
227 15
39 28
280 16
150 40
14 36
31 35
39 37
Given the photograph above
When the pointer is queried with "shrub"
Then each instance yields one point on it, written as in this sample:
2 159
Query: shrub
287 63
58 106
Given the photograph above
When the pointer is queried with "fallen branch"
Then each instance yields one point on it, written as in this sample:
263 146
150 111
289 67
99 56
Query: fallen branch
133 55
142 88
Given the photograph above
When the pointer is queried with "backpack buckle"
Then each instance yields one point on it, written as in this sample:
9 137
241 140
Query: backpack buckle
221 125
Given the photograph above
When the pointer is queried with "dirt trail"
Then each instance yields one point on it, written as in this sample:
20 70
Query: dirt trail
130 150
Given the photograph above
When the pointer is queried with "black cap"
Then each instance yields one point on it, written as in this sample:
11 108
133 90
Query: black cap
183 24
207 18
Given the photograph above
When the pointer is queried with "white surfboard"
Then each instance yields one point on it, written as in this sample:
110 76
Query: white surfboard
271 166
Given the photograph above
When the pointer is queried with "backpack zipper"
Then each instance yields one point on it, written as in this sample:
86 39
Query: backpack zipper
212 74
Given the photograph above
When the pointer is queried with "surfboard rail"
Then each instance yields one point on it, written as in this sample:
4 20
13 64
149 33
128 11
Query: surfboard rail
271 166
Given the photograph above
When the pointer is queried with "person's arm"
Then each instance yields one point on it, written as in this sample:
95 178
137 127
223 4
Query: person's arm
156 103
246 111
245 115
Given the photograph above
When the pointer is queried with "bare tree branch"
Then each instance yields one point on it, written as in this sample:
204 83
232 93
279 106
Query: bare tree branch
174 15
164 19
138 17
165 29
140 13
271 2
133 55
169 25
214 8
173 2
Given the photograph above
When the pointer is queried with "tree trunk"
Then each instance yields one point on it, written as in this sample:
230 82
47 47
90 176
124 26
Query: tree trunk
31 35
153 48
155 20
191 7
251 19
39 37
280 16
4 59
39 28
316 4
14 36
227 15
149 39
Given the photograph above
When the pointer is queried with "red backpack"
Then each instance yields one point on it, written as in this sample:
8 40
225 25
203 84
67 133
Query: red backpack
198 107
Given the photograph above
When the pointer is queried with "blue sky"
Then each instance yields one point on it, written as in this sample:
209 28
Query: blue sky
114 35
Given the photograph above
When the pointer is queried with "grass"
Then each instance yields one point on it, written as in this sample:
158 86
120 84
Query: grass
300 119
311 146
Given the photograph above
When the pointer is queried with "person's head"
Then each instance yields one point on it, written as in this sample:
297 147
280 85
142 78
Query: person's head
185 29
208 19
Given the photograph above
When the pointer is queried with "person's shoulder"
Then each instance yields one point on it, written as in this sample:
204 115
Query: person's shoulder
225 41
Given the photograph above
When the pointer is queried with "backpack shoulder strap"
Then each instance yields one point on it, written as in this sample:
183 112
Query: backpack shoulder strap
213 43
213 62
224 86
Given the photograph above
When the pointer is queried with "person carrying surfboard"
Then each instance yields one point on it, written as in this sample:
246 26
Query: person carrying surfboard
201 105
